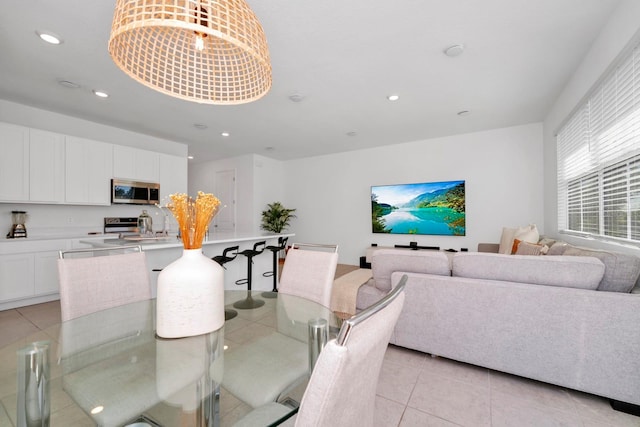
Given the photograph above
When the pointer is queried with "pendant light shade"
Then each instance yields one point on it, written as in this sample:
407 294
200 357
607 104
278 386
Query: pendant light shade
212 52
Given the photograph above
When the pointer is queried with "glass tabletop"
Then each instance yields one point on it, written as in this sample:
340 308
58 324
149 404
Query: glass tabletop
109 368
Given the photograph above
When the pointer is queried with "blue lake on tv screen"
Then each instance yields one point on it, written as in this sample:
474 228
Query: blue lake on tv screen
422 221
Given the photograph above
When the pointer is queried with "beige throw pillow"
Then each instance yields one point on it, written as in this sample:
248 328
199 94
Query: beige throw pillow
506 241
526 248
528 234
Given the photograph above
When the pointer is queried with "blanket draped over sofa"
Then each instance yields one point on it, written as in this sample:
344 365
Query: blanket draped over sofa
549 318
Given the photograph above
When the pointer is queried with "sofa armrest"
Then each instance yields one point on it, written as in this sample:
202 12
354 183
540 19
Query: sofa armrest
489 247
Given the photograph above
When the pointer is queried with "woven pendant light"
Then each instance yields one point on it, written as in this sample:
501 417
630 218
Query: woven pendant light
212 52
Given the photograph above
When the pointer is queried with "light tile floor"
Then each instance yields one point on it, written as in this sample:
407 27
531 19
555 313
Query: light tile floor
414 389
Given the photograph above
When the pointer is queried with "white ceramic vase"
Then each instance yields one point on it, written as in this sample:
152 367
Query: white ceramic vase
190 298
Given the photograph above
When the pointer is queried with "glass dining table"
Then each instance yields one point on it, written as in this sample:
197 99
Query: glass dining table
109 368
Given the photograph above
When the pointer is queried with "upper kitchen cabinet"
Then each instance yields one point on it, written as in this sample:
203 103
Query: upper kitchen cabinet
173 176
46 166
32 165
135 164
14 163
89 165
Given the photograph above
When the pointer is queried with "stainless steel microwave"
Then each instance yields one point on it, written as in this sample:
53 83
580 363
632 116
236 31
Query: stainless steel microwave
134 192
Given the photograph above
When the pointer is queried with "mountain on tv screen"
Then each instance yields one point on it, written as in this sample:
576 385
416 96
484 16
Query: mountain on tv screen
433 208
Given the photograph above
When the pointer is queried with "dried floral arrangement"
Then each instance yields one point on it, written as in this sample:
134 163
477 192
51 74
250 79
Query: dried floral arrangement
193 216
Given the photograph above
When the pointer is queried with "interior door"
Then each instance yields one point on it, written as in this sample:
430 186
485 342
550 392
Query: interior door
225 190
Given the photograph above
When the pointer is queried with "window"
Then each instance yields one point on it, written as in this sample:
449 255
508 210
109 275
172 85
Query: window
599 159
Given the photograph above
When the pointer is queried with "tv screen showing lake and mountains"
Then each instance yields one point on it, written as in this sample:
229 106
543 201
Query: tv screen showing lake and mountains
434 208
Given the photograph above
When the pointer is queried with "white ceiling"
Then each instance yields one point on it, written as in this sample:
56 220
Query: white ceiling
343 56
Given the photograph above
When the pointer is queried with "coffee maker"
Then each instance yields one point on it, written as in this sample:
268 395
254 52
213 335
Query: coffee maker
18 229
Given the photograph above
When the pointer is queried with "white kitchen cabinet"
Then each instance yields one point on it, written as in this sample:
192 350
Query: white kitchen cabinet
135 164
46 273
89 165
173 176
46 166
16 276
14 163
29 271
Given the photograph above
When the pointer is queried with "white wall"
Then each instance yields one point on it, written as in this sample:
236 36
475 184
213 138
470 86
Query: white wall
19 114
268 183
502 169
621 31
52 220
259 180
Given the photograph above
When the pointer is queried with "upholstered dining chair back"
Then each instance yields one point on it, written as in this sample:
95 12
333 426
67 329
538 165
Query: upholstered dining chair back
342 388
309 271
93 279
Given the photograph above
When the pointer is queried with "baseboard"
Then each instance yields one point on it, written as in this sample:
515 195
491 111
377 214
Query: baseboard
628 408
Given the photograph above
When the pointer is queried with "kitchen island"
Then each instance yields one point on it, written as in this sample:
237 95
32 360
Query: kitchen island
161 252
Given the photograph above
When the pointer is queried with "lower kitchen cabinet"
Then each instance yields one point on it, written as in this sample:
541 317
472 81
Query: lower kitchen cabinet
16 276
45 273
29 272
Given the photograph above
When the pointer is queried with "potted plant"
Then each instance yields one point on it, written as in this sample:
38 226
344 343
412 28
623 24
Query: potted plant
276 218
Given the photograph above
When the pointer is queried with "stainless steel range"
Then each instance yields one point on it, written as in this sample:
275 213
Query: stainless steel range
125 226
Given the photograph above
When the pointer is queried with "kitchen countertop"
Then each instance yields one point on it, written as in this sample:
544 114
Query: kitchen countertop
173 242
67 236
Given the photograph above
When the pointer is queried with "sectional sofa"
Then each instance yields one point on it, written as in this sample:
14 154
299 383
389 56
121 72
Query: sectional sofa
570 319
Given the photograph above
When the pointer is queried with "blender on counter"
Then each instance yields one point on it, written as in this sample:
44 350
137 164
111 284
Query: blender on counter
145 224
18 229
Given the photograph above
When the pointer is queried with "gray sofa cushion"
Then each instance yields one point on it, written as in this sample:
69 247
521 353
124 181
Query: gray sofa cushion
621 270
386 261
565 271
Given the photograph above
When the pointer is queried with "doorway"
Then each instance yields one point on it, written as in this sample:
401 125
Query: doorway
225 190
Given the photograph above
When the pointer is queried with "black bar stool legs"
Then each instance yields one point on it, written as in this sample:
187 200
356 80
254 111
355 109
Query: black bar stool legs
249 302
282 244
229 254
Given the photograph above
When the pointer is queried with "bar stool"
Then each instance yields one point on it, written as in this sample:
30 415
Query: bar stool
222 260
249 302
282 244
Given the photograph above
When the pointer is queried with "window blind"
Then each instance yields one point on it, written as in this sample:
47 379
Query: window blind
599 158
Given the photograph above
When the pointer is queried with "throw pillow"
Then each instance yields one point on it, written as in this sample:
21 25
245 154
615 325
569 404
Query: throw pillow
526 248
514 247
546 241
506 240
529 234
558 248
526 234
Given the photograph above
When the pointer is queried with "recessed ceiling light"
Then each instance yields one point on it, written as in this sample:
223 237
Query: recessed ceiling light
200 126
454 50
68 84
190 157
464 113
393 97
100 93
225 134
49 37
296 97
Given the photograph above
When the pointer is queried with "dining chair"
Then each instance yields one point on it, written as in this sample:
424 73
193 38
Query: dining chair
309 271
93 280
342 388
100 278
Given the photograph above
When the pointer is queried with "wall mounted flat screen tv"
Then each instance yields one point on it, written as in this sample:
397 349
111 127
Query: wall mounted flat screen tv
433 208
